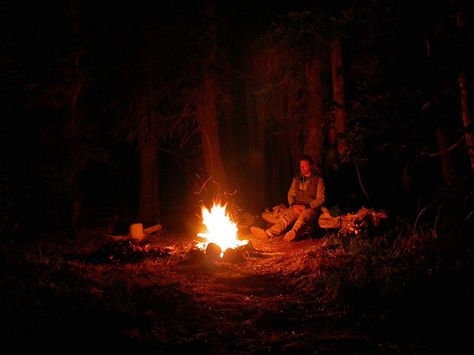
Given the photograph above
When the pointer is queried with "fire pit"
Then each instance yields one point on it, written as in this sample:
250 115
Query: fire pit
220 240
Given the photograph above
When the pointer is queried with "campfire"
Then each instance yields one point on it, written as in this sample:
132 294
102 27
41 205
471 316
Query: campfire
221 230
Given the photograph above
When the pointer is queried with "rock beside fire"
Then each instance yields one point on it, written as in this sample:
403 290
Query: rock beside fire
213 251
247 247
232 256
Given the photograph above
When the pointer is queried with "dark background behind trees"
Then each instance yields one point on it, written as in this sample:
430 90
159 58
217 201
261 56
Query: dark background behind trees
144 111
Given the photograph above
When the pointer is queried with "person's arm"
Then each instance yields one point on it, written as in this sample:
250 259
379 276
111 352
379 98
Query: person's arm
320 195
292 192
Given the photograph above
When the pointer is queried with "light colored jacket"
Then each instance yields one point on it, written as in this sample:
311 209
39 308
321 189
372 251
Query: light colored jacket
307 191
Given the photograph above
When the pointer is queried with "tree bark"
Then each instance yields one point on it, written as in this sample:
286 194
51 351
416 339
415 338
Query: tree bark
295 124
259 152
73 126
207 115
254 110
207 120
313 143
231 137
149 209
74 155
466 118
445 156
463 93
338 94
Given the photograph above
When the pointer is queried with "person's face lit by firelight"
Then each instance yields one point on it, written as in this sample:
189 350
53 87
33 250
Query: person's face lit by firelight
305 168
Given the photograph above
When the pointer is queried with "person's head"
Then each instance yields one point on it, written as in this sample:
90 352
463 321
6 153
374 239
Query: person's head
306 163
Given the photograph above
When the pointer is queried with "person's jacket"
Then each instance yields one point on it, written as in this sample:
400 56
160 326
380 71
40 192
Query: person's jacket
309 191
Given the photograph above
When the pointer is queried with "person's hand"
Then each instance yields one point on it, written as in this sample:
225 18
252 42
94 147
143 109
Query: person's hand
299 208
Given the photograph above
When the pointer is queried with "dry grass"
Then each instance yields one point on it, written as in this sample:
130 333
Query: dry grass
327 295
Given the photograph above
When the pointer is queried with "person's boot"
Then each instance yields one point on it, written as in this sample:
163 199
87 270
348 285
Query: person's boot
290 236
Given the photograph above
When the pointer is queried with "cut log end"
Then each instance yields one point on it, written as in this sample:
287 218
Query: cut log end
136 231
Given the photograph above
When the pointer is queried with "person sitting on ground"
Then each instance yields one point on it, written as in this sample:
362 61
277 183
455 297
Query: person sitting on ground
305 197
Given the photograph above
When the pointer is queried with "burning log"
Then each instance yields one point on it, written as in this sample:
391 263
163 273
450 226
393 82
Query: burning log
213 252
221 232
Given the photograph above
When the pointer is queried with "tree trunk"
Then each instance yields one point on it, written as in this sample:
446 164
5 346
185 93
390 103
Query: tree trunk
463 93
294 124
230 149
466 118
207 117
73 127
281 167
338 94
251 104
148 212
445 156
256 112
313 143
74 155
260 173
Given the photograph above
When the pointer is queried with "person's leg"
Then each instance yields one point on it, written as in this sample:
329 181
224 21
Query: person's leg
284 222
304 219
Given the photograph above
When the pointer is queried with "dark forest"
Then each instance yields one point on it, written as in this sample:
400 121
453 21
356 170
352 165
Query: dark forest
127 115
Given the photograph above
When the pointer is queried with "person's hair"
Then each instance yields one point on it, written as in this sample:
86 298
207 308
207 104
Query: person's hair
308 159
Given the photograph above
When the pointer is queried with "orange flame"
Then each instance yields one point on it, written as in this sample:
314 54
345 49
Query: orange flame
220 229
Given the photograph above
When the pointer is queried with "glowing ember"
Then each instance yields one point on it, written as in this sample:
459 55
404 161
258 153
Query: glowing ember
220 229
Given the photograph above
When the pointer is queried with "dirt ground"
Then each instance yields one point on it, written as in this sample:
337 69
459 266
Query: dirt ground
101 295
